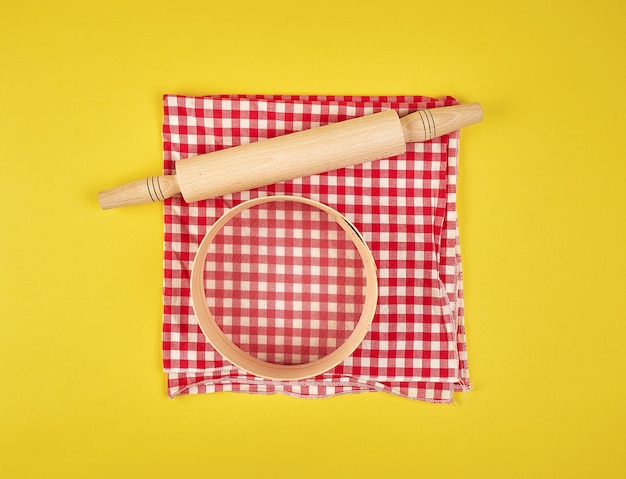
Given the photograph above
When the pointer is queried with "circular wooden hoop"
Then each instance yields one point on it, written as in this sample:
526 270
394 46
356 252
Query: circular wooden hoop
249 363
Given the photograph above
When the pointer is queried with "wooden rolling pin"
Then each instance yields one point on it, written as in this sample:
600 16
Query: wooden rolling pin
295 155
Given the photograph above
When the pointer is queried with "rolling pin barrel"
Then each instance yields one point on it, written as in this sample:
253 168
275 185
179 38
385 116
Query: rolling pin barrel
304 153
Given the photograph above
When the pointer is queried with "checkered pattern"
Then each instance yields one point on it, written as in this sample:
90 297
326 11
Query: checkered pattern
404 206
285 282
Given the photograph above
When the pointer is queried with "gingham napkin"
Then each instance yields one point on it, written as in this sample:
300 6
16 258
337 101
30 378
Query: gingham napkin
405 208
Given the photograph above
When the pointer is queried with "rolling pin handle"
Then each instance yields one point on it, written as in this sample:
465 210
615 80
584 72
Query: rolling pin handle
424 125
147 190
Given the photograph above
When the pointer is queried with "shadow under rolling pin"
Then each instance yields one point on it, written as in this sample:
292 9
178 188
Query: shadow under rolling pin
295 155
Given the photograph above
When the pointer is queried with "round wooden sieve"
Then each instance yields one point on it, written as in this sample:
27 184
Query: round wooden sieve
242 359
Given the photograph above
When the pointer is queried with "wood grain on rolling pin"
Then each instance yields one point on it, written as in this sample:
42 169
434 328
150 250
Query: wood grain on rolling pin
291 156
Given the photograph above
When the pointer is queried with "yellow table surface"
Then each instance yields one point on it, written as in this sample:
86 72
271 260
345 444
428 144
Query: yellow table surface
543 235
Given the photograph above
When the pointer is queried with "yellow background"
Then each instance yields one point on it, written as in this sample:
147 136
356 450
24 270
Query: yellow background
541 204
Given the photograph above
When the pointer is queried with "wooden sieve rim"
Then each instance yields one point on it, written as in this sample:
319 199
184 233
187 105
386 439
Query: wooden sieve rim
244 360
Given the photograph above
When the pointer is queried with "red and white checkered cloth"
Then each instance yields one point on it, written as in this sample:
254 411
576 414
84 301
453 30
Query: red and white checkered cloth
405 208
